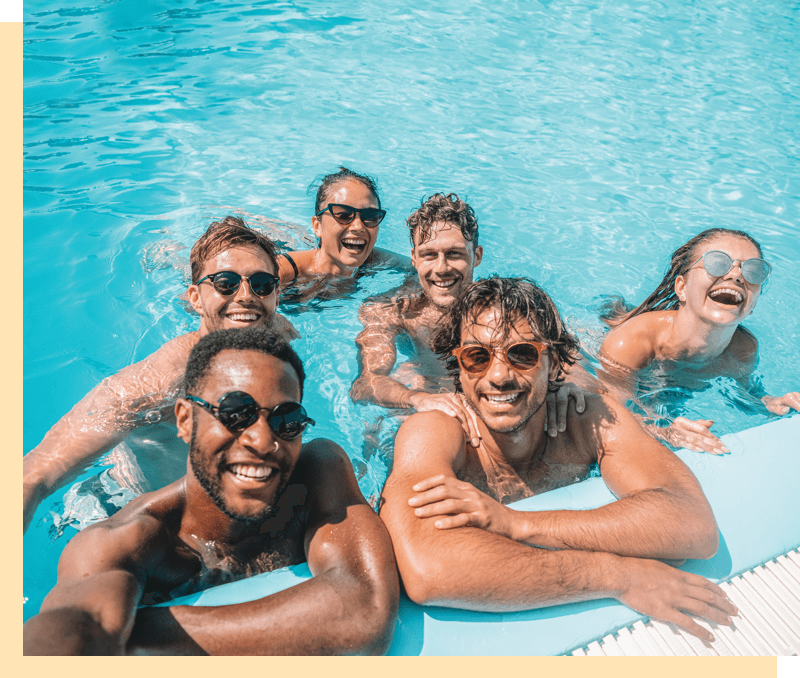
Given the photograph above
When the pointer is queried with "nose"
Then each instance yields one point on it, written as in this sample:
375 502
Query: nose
259 436
499 371
244 291
736 271
442 265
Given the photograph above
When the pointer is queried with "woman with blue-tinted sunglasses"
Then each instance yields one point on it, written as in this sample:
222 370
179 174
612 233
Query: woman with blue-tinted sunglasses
690 330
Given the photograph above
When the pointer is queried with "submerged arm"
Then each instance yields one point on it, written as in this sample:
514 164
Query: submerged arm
348 607
101 420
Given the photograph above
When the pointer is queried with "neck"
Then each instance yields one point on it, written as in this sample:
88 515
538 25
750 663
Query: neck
519 448
322 264
696 340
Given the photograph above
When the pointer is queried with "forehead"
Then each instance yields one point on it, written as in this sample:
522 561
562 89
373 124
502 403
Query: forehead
443 236
267 378
487 328
351 192
733 245
242 260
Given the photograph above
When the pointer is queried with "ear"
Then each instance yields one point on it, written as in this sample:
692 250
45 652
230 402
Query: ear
414 257
193 296
316 224
555 365
184 419
478 255
680 288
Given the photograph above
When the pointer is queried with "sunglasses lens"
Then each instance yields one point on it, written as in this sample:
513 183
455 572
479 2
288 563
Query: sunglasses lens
227 282
262 284
372 216
755 271
523 356
237 410
475 359
344 215
288 420
717 263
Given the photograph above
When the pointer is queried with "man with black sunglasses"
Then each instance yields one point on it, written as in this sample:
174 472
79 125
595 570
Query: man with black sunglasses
445 500
254 499
234 285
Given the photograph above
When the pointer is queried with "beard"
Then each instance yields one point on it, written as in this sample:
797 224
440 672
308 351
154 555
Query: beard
211 483
508 428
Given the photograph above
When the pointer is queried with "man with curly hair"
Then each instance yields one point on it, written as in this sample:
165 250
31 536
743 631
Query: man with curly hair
445 252
444 502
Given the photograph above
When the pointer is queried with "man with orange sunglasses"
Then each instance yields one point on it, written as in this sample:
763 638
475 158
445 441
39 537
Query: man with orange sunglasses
444 502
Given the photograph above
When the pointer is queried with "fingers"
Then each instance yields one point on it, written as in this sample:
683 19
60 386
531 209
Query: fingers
445 507
551 418
428 483
470 423
695 436
460 520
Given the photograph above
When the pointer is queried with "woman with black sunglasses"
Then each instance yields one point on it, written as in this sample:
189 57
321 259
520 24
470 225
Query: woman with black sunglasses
689 330
347 216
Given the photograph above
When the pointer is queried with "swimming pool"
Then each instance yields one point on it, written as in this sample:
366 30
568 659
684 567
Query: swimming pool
590 138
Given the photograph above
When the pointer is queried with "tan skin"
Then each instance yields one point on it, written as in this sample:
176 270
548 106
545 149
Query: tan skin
115 407
702 339
177 539
445 265
345 249
443 516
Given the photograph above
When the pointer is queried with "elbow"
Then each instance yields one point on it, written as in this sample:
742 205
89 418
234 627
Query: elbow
358 391
707 542
701 536
425 585
377 618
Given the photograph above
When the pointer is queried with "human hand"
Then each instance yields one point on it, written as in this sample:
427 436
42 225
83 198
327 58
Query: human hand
662 592
557 406
462 505
782 404
694 435
452 405
284 326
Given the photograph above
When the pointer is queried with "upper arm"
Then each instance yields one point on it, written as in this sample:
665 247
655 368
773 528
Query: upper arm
377 342
302 260
343 534
631 461
631 345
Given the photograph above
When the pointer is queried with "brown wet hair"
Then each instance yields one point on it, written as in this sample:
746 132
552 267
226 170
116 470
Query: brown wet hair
515 298
447 208
225 235
326 184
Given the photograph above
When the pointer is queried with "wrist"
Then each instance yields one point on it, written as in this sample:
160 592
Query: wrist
413 398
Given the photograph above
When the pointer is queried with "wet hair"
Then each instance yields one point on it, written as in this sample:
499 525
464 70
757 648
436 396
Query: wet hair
259 339
325 185
614 311
224 235
440 207
515 298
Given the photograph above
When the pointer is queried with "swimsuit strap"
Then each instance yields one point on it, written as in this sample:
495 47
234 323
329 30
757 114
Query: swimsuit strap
294 266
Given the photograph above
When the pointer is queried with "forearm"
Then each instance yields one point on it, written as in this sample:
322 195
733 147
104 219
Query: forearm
381 390
330 614
68 632
659 523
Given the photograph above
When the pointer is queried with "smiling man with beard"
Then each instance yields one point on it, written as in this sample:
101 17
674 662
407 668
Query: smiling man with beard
254 499
444 502
234 285
445 252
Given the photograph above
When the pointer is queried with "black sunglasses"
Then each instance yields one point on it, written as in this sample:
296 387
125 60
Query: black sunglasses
227 282
238 410
344 214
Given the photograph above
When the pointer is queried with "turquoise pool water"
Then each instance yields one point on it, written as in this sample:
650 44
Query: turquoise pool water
591 138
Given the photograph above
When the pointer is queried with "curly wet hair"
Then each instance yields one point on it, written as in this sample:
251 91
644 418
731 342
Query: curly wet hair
515 298
446 208
224 235
614 311
259 339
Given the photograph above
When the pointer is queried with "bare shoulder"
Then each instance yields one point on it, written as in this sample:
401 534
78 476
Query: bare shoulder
634 343
303 260
744 344
429 439
172 357
387 259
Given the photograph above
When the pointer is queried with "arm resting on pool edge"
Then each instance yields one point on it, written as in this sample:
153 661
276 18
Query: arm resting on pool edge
91 610
472 568
102 419
348 607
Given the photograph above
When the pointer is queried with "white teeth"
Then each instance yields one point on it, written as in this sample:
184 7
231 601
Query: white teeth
736 294
502 397
243 317
354 241
444 284
246 471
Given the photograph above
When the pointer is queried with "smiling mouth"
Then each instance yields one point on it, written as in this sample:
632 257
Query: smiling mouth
243 316
354 245
501 398
250 472
727 296
443 284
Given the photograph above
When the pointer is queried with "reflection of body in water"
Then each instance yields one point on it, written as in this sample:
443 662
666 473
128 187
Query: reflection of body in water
347 216
689 331
234 284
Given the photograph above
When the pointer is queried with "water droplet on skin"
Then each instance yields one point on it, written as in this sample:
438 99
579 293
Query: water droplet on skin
152 416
